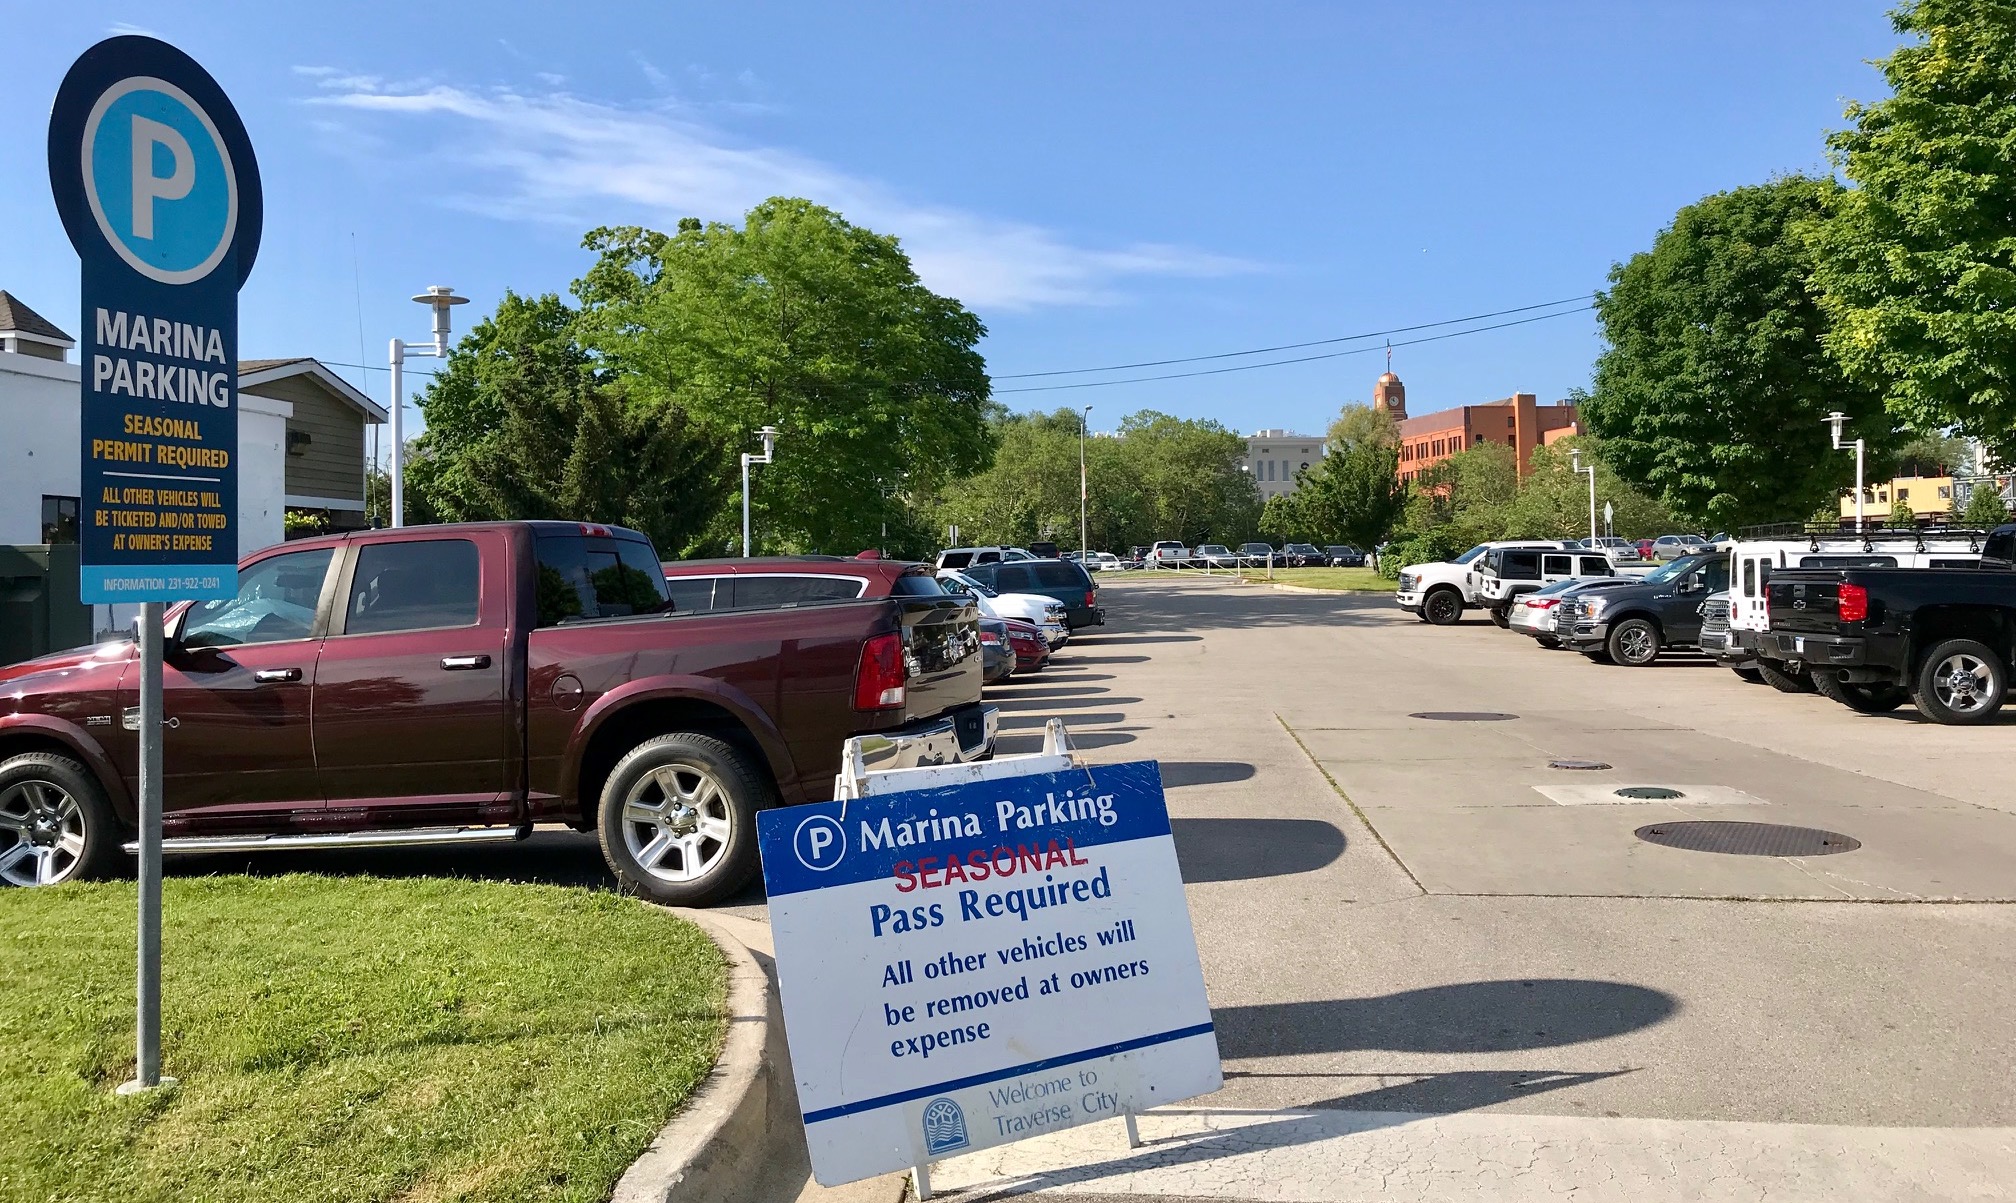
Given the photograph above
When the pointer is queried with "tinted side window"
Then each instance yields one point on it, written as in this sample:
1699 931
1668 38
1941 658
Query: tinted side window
1555 565
1056 574
2001 548
1015 578
586 576
1521 565
413 587
956 559
276 600
691 594
1716 575
1596 566
1749 578
760 592
1847 561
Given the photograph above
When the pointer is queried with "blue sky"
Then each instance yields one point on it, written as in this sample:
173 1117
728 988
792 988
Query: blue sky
1103 184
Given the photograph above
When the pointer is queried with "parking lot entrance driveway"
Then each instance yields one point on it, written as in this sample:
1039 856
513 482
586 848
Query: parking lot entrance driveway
1442 969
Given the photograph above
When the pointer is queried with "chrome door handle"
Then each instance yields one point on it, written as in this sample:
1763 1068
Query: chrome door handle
270 675
454 662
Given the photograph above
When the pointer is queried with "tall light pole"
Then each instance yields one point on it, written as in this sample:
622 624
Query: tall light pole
1835 420
769 434
440 298
1575 465
1084 420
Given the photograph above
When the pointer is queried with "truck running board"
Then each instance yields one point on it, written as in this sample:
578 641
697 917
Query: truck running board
184 844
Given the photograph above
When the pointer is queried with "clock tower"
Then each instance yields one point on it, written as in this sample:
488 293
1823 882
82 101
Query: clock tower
1389 397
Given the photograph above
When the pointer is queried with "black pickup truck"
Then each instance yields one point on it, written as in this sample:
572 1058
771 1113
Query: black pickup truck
1873 638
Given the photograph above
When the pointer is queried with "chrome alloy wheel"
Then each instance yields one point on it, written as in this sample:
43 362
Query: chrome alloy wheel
41 834
1963 682
1635 645
676 822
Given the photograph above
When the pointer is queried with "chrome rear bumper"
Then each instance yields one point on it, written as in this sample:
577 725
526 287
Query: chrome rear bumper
963 735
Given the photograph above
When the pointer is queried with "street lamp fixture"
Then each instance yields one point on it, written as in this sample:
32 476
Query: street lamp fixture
769 434
1835 421
440 298
1575 465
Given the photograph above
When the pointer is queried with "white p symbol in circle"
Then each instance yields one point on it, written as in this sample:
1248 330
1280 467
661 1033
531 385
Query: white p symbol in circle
148 187
819 843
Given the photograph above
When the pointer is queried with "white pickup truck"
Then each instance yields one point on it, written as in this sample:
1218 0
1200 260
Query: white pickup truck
1438 593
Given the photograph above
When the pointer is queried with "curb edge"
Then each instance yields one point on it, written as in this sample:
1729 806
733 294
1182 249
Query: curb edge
713 1148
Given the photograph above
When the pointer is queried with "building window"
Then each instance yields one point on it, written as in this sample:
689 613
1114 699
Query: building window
1903 494
1509 422
59 519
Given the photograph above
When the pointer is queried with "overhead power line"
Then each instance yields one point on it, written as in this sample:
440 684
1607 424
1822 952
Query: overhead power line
1321 342
1275 363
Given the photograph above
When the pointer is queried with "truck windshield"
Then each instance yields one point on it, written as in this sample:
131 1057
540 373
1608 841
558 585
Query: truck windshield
1472 554
1675 569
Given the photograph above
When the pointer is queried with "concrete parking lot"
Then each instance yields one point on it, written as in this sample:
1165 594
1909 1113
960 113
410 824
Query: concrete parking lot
1418 917
1436 963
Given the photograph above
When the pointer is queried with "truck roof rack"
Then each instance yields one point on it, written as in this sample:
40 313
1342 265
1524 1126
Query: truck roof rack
1869 532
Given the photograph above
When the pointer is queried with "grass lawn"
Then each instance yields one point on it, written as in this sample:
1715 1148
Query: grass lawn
1349 580
348 1039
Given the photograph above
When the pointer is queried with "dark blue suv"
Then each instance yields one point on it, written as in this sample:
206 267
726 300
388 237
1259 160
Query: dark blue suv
1061 579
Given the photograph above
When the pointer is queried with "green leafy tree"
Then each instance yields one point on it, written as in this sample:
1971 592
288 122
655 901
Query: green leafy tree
1714 384
1553 499
1465 499
1901 514
1917 265
800 320
523 423
1931 455
1985 508
1360 423
1354 496
1191 485
1281 520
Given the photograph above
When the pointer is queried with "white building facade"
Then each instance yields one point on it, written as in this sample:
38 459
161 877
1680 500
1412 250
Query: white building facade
1273 457
40 429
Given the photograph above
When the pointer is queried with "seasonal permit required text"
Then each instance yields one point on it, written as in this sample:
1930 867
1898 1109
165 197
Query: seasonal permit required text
977 964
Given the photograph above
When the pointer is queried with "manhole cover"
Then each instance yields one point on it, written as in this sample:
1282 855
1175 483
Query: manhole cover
1748 839
1576 764
1649 793
1463 716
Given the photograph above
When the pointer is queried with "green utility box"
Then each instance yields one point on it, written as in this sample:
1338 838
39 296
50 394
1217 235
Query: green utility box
39 608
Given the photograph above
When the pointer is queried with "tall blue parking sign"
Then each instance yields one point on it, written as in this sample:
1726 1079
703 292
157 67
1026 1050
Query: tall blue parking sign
156 184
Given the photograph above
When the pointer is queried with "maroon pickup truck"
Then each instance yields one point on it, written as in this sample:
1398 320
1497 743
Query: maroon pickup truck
454 684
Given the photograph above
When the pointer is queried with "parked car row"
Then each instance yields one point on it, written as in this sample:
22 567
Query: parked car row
1872 618
432 685
1171 553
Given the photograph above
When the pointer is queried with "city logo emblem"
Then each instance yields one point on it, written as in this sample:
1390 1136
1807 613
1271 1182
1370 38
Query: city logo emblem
944 1127
820 842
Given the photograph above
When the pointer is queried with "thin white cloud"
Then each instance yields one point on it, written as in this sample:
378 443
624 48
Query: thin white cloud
556 157
124 28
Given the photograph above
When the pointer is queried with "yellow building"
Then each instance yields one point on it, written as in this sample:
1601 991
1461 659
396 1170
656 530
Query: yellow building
1928 497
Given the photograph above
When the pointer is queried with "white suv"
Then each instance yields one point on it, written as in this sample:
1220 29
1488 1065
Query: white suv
1439 592
966 557
1504 574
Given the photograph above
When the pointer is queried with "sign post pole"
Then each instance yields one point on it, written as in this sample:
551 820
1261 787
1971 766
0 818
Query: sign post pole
147 1054
158 189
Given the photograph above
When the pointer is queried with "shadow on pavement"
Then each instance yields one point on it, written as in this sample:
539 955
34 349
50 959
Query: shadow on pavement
1242 849
1470 1017
549 857
1178 773
1453 1090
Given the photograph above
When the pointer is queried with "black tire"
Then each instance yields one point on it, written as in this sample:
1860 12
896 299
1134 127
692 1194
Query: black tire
1443 606
1961 682
686 814
1548 641
1748 672
1596 656
1785 682
1501 617
1863 699
56 824
1634 642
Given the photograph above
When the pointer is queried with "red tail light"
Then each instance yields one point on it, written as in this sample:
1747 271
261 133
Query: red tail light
1543 603
1854 603
1091 598
879 683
